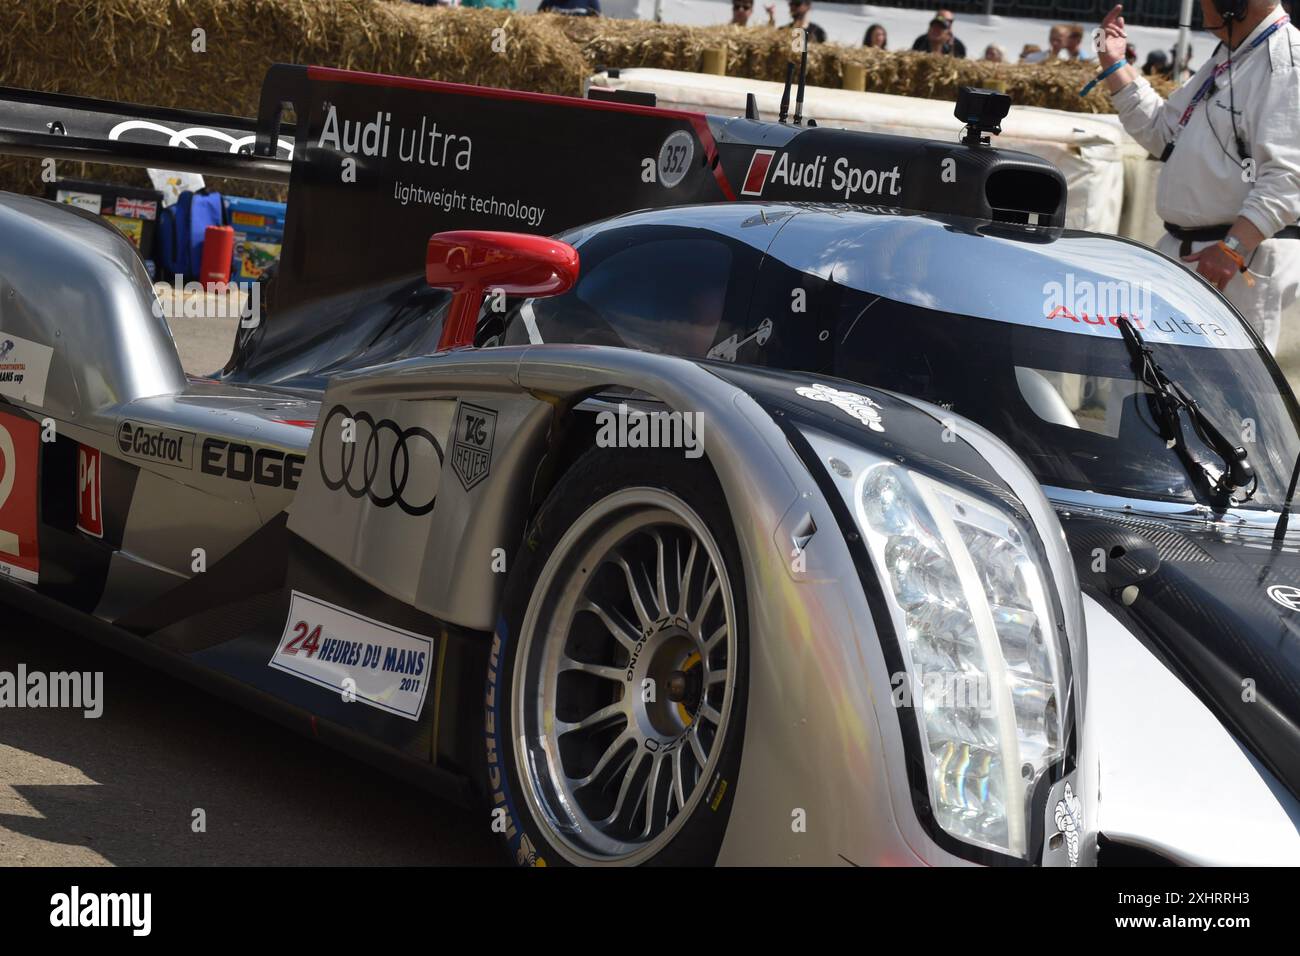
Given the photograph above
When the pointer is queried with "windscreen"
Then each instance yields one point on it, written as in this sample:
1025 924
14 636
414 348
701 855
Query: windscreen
1072 405
1020 336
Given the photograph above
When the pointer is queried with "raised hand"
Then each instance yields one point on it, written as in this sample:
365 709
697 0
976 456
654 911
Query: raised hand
1111 40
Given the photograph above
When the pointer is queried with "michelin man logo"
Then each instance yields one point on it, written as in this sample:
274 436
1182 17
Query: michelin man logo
1068 822
5 348
851 403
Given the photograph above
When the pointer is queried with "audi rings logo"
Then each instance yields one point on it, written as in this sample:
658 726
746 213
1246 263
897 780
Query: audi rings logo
384 462
1285 595
186 137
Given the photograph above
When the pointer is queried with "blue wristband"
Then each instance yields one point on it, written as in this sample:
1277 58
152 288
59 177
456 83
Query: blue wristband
1102 75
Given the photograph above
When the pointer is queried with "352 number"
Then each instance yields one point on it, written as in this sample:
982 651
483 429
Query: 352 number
675 160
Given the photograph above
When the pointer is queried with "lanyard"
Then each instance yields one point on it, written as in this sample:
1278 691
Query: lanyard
1208 85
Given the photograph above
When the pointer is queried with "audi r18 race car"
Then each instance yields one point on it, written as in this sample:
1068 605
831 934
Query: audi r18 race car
617 528
1179 532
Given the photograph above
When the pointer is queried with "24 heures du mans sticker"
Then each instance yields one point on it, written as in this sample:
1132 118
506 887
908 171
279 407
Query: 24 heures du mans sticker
355 656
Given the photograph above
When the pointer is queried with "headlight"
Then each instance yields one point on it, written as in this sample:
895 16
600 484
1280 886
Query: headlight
986 668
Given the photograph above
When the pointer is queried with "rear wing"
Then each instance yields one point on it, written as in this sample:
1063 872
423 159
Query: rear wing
61 126
382 162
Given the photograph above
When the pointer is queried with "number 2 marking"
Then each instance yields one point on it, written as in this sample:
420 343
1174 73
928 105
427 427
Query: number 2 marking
8 475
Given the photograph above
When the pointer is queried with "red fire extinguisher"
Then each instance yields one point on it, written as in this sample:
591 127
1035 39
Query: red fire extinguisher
218 248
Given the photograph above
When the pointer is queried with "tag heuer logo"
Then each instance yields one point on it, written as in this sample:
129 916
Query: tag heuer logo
471 449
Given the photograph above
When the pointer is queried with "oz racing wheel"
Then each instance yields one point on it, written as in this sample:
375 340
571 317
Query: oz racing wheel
617 679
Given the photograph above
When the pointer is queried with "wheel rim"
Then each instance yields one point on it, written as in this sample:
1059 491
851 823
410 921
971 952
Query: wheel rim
624 680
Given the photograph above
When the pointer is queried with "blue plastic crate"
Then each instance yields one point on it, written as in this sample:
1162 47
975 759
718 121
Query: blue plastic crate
258 219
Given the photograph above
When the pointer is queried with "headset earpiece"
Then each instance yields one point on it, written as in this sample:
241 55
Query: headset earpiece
1231 10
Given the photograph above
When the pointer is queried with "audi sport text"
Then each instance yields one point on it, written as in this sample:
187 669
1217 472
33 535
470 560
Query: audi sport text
846 180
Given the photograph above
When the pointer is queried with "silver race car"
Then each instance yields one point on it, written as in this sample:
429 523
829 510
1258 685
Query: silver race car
589 528
1167 444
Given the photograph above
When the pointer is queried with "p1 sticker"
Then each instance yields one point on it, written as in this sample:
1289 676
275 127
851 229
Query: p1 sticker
355 656
20 448
90 497
24 366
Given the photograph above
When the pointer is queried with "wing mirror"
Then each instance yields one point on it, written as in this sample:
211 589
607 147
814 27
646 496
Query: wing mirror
472 263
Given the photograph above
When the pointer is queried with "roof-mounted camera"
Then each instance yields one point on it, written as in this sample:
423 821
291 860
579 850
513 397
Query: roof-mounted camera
982 111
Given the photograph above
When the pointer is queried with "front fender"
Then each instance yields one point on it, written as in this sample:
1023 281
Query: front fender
824 774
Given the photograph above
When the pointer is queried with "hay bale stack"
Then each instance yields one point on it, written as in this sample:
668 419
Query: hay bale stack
759 53
144 51
762 53
1054 85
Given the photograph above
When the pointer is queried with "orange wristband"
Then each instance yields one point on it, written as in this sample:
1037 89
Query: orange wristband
1236 257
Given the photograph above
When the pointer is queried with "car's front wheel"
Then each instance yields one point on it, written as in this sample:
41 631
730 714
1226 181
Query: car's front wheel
617 679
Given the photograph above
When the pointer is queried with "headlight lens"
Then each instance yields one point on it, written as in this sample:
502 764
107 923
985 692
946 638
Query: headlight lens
984 663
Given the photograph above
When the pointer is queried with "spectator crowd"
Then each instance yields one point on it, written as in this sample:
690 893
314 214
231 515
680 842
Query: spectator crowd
1065 41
